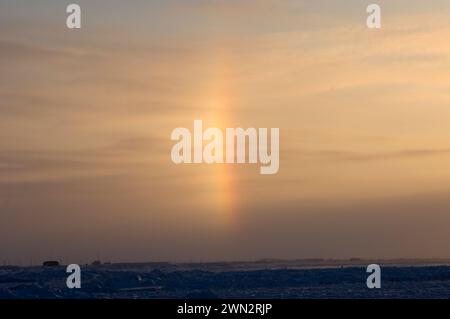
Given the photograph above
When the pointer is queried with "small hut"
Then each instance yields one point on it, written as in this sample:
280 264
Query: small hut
50 263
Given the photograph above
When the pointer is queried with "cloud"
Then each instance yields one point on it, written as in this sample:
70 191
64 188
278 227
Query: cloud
118 158
337 156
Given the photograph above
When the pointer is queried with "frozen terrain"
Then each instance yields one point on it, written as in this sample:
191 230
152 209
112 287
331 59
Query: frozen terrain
268 279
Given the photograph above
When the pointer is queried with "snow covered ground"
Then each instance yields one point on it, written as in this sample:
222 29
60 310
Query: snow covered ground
200 281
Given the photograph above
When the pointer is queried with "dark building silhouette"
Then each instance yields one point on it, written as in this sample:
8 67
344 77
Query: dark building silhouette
50 263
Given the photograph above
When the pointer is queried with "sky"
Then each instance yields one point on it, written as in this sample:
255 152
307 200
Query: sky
86 117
